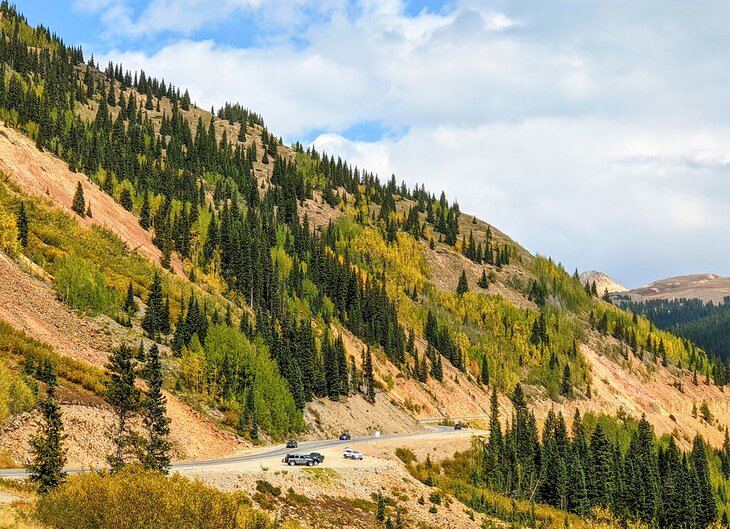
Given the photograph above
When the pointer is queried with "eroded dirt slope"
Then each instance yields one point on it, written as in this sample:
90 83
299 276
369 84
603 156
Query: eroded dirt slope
41 174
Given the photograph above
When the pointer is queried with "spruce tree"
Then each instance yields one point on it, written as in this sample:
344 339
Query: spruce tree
704 495
600 469
144 214
483 281
463 286
368 376
130 307
725 455
380 508
125 199
78 205
566 386
46 446
157 453
124 396
22 225
154 318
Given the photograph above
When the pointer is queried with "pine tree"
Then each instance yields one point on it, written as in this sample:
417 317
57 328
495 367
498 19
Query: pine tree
125 199
380 508
157 454
124 396
22 225
46 446
463 286
725 455
144 214
78 205
368 376
704 495
130 307
88 211
484 372
566 386
600 469
483 281
154 318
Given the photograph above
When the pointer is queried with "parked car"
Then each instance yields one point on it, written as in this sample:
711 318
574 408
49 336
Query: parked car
345 437
291 443
298 459
318 458
349 453
457 426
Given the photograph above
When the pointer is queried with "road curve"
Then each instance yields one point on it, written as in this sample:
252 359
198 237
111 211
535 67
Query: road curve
304 446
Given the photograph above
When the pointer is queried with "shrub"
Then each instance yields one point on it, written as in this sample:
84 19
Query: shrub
406 455
265 487
134 498
22 398
82 285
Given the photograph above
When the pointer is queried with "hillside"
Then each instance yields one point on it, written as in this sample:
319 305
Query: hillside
288 293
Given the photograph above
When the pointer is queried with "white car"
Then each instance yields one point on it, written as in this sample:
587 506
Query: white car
349 453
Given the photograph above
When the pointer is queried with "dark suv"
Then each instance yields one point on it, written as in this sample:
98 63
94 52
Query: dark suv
298 459
291 444
345 437
317 457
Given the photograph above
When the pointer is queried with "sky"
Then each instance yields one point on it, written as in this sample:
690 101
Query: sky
597 133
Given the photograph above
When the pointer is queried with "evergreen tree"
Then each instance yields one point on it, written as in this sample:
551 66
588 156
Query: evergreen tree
725 455
380 508
704 495
144 214
46 446
22 223
641 475
483 281
125 199
463 286
157 455
566 386
368 376
600 469
78 205
124 396
130 307
154 321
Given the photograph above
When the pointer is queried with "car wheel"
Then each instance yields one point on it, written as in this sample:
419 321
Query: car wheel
291 463
310 464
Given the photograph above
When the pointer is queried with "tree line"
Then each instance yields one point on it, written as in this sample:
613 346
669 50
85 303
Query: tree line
576 470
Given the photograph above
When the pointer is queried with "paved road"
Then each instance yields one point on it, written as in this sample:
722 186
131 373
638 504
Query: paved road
304 446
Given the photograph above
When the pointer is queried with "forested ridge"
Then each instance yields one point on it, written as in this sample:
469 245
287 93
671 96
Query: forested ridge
224 197
705 323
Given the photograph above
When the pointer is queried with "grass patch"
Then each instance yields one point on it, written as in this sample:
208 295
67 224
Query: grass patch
320 475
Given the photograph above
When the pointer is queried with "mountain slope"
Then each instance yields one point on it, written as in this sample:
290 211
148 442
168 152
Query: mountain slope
707 287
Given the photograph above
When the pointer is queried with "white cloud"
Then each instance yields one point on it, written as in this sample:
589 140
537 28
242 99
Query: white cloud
581 130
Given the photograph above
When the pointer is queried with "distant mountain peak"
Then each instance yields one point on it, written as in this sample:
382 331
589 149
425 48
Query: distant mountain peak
603 282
